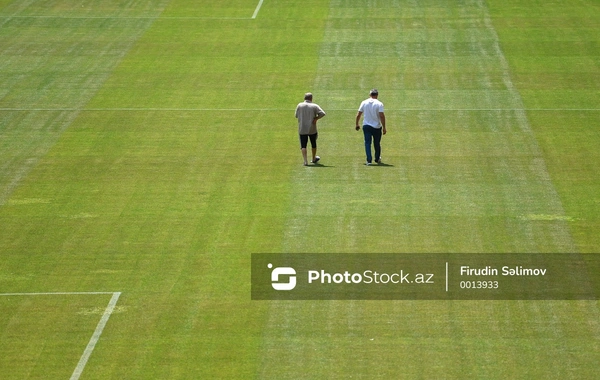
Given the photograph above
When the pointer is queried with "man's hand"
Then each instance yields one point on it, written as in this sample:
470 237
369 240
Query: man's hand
358 115
382 120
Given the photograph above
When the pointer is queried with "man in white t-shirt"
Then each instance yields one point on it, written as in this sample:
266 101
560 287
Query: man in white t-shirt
373 125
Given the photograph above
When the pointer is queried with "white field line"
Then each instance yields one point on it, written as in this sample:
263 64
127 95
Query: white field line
56 294
283 109
99 328
140 109
95 337
257 9
130 17
260 3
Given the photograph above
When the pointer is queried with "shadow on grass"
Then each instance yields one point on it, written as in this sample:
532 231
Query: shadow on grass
319 165
382 165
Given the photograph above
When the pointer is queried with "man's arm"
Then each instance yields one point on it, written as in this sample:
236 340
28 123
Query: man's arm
382 119
358 115
320 114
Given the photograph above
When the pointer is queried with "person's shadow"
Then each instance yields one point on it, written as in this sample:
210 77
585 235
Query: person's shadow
320 165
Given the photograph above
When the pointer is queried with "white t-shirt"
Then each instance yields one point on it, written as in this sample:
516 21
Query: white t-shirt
371 109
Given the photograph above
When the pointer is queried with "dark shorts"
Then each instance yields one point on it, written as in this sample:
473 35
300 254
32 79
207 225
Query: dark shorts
304 140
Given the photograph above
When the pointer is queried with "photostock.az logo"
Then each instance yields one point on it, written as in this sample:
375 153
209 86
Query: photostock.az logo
283 271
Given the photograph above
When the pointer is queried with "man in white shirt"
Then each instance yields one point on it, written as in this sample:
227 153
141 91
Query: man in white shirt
373 125
307 114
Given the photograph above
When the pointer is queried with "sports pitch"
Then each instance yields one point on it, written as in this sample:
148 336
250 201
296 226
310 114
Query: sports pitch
148 148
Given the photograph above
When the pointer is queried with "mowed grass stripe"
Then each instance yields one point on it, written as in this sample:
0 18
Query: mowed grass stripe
421 339
513 183
167 206
559 77
459 180
46 63
55 64
226 179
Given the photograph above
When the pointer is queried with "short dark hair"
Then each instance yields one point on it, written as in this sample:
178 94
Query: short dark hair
374 92
308 96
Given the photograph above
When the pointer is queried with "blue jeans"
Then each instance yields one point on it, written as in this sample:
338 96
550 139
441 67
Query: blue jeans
375 135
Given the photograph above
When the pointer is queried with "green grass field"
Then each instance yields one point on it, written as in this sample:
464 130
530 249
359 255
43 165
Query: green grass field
148 147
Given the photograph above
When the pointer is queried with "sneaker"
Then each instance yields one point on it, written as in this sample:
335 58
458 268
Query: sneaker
317 158
378 160
368 163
